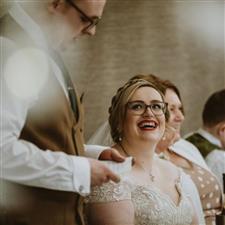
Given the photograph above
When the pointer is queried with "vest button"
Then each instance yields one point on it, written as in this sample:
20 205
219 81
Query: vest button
74 130
81 188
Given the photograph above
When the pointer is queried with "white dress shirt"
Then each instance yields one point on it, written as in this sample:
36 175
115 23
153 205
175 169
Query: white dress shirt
216 158
21 161
209 137
188 151
216 162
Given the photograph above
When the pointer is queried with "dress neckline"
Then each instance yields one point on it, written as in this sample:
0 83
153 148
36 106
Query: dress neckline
158 191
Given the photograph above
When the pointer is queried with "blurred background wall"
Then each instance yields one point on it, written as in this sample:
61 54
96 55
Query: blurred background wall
178 40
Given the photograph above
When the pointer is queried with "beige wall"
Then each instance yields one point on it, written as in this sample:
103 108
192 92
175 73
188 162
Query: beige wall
179 40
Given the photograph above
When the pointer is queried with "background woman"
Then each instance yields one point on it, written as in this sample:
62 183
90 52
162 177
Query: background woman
184 154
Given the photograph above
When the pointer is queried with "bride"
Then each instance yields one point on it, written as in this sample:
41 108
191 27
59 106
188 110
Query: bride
152 192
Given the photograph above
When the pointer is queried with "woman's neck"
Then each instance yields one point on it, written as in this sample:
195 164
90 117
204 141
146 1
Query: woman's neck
142 153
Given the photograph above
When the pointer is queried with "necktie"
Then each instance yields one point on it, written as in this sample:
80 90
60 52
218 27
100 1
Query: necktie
68 81
58 60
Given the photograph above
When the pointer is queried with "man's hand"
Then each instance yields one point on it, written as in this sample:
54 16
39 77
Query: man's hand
100 173
111 154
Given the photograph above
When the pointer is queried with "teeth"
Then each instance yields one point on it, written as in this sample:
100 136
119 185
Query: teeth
148 124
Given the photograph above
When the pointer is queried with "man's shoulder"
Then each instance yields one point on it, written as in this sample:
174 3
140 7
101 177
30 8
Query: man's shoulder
201 142
215 160
7 45
7 48
192 136
216 155
185 145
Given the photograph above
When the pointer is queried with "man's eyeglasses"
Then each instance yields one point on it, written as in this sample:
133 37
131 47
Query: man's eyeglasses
92 21
139 107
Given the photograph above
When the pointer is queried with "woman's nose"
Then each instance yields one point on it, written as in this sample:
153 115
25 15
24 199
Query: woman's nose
179 116
148 112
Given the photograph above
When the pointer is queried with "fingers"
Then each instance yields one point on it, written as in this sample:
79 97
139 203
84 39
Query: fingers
113 177
116 156
105 154
101 174
111 154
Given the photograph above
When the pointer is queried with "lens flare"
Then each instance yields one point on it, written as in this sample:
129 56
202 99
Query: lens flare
26 72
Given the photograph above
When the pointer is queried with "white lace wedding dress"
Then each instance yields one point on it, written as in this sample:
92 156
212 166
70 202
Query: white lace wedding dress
151 206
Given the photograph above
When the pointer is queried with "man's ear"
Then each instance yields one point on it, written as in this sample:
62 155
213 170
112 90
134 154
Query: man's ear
221 129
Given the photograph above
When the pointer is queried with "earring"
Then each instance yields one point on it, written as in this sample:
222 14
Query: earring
120 138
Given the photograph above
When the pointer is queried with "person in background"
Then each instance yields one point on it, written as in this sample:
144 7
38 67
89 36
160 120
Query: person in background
183 154
210 139
152 192
43 168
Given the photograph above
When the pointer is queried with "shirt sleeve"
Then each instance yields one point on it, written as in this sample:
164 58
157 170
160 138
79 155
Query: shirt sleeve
216 162
94 151
23 162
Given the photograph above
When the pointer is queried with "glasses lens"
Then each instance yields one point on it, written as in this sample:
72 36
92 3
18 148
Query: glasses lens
137 108
158 108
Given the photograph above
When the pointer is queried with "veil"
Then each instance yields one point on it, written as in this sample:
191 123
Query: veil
102 136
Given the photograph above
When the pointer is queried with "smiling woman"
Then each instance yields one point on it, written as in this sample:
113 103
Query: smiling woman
152 192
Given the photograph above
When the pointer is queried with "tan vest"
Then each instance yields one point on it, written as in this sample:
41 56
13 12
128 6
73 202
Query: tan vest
50 125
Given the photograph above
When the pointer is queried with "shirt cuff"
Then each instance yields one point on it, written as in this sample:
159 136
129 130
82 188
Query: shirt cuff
81 175
94 151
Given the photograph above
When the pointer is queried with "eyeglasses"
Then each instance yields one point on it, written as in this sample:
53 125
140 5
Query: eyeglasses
92 21
139 107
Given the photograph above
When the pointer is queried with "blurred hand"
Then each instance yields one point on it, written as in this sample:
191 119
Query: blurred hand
170 136
100 173
111 154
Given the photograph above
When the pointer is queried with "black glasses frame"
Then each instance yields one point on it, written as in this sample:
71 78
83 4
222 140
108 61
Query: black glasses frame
149 106
93 21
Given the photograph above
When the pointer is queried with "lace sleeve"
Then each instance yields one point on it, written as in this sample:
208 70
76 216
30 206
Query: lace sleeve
110 192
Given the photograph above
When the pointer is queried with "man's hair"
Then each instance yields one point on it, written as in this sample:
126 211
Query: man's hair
214 109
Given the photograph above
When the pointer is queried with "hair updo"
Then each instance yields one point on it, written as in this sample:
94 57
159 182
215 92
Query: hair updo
117 110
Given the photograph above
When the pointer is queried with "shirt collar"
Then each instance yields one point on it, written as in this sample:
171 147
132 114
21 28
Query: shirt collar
209 137
28 25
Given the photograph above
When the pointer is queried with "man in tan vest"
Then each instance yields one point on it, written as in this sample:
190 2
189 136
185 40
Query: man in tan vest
210 138
43 170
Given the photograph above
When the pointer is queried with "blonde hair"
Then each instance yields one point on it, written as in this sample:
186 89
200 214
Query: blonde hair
117 110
